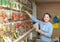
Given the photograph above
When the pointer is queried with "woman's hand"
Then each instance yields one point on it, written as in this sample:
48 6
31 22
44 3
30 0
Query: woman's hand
28 13
36 26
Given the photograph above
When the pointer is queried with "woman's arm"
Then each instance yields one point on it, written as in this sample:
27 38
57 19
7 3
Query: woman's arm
48 34
33 18
39 31
36 26
28 13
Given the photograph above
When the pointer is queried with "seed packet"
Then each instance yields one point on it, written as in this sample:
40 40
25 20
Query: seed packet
3 3
4 28
8 3
0 2
21 1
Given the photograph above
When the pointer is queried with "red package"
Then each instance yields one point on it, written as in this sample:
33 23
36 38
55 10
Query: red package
21 24
28 25
13 16
18 16
17 25
4 15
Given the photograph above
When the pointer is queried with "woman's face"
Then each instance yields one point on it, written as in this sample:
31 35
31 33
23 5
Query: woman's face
46 18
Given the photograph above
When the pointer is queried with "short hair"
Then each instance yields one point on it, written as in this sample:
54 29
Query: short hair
47 14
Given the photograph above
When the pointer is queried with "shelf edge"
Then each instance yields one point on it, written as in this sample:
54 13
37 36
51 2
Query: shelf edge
21 37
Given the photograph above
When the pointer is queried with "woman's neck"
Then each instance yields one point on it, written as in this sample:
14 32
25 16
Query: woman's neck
45 22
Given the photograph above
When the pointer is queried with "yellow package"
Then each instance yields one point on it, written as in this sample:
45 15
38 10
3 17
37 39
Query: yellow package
56 25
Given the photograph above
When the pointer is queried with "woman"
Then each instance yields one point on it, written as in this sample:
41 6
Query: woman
46 27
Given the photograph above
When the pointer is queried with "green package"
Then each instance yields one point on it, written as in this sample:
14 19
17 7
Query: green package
8 3
22 8
11 4
21 1
26 1
14 5
19 7
0 2
3 2
0 39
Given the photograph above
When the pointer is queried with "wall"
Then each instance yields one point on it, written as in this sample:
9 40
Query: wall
48 0
53 9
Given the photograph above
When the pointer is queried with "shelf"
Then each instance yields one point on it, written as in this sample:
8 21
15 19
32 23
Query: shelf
2 7
27 33
24 5
10 22
16 22
27 7
12 25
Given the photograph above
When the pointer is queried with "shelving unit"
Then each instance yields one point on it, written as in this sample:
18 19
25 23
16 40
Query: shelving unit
14 22
2 7
26 4
24 36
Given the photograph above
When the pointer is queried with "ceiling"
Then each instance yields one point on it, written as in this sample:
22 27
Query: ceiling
47 0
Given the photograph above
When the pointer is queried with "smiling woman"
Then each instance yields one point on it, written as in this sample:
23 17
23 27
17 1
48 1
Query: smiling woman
46 27
46 15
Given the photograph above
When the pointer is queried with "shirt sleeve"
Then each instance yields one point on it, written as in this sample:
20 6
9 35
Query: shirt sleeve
35 20
49 33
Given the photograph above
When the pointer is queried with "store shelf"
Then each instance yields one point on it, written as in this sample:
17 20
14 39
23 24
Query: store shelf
13 22
14 25
27 7
27 33
24 5
10 22
3 7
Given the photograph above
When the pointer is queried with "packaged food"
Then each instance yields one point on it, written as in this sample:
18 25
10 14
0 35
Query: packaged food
12 27
12 5
4 28
9 27
13 16
16 35
25 1
1 19
1 12
6 37
4 15
22 8
22 28
1 40
3 3
28 25
18 16
0 2
21 1
1 27
17 5
8 3
8 12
